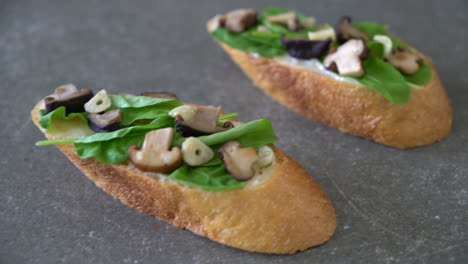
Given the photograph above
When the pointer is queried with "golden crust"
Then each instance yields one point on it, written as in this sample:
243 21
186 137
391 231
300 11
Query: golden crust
353 109
285 213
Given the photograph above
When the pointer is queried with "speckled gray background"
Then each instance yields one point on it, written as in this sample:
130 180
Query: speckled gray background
393 206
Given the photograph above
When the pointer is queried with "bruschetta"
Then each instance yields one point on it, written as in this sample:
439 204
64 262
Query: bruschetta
354 77
191 166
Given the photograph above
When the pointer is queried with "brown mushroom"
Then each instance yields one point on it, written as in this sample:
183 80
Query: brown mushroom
216 22
346 31
165 95
69 97
202 122
289 19
240 20
156 154
65 91
347 60
405 61
240 162
106 122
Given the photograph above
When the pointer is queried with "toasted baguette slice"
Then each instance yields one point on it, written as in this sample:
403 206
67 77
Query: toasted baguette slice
282 210
350 108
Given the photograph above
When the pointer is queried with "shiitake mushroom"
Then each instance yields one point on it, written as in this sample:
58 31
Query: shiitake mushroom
69 97
202 122
346 31
106 122
305 49
239 161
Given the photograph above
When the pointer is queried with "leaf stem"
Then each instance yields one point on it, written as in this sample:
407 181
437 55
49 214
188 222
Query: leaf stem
55 141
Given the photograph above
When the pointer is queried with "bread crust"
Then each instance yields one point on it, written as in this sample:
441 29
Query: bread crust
351 108
285 213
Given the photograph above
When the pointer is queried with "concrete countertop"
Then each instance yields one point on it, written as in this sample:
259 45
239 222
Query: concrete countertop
393 206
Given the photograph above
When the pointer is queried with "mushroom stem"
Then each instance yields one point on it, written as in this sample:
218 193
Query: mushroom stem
240 162
156 154
347 59
346 31
289 19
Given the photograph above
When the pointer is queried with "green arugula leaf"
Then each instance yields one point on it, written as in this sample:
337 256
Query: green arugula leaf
221 118
135 108
56 141
119 101
371 29
227 116
252 134
207 178
247 42
262 38
273 11
59 113
396 43
386 80
422 76
112 147
376 49
130 115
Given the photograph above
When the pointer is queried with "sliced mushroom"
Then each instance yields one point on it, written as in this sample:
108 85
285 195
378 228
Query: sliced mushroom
165 95
405 61
346 31
69 97
304 48
203 122
216 22
156 154
347 58
99 103
289 19
323 34
106 122
186 112
65 91
240 20
386 42
196 152
240 162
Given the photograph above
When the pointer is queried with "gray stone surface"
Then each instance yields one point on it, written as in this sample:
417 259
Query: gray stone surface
393 206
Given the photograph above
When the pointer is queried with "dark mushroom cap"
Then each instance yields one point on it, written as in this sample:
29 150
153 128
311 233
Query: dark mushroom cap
73 103
159 95
106 122
346 31
304 48
65 91
186 130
